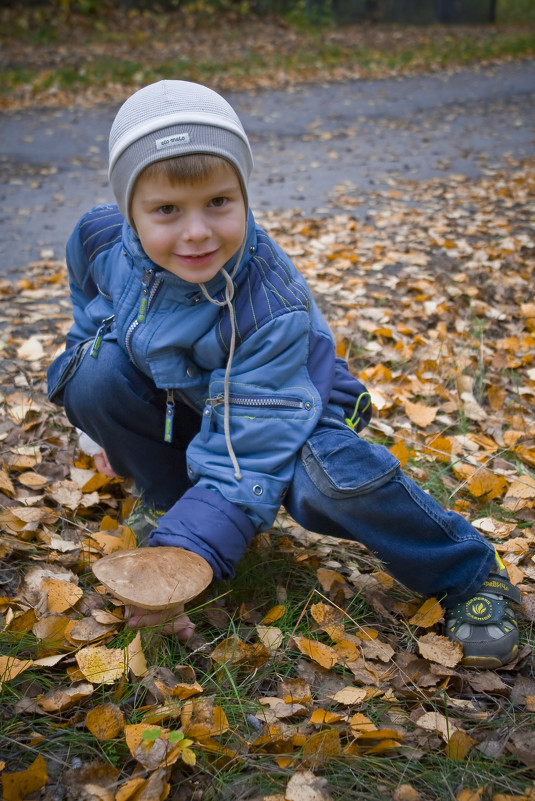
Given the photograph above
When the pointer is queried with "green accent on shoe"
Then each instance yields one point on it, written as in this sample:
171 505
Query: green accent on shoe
143 519
485 625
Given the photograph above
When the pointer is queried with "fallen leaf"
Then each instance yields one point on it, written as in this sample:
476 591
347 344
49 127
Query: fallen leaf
324 655
17 786
305 786
101 665
420 414
440 649
429 614
105 722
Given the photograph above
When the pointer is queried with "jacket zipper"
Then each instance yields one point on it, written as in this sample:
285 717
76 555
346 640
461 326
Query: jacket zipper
102 329
241 400
150 284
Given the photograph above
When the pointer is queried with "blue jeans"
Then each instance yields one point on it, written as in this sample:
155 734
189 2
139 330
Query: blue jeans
343 486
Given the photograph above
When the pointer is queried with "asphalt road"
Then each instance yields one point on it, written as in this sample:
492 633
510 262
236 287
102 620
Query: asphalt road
306 141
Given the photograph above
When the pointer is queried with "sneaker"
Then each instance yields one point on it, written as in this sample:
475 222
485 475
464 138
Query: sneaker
142 520
485 625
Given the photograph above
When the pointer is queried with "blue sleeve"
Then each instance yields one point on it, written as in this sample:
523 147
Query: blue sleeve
274 406
96 232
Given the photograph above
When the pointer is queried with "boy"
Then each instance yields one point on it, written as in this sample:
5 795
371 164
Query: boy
200 364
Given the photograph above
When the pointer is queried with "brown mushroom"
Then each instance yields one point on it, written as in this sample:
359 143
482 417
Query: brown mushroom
155 578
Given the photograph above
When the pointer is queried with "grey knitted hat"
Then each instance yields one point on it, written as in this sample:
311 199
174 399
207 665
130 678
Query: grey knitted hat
173 118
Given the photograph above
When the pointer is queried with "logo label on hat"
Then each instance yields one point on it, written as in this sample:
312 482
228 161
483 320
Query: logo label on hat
175 139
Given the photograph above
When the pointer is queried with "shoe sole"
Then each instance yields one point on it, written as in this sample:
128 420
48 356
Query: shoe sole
488 662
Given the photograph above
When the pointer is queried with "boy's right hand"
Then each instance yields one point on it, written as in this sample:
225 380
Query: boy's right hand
172 621
103 466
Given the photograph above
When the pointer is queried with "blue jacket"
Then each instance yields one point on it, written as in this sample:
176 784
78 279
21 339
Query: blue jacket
285 372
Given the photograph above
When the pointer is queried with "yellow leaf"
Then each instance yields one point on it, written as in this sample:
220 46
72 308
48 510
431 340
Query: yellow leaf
105 722
324 655
459 745
360 723
428 614
17 786
135 657
322 746
101 665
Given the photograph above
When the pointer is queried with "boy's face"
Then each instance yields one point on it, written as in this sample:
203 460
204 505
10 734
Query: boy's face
192 230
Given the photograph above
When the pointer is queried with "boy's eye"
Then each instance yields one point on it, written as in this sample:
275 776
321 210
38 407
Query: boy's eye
169 209
218 201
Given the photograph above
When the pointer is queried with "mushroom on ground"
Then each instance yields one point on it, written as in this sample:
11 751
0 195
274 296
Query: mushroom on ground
155 578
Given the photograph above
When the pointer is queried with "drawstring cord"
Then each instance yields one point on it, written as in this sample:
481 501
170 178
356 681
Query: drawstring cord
229 295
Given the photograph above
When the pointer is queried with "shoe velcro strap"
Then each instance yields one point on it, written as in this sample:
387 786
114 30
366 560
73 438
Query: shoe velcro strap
481 610
501 586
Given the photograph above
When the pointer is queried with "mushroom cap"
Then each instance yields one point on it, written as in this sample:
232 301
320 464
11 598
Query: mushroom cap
154 578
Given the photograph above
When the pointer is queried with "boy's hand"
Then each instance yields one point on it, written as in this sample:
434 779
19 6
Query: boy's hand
103 466
172 621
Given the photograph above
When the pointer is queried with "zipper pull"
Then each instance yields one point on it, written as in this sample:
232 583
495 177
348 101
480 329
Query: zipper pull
169 416
97 342
145 282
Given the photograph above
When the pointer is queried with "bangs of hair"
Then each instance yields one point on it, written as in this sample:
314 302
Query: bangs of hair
193 168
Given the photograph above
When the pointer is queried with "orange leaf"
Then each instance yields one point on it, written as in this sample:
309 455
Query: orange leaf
329 578
322 746
61 594
401 452
420 414
486 483
470 795
324 655
105 722
274 614
428 614
322 717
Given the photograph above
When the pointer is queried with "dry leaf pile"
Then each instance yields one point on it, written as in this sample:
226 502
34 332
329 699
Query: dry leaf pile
431 300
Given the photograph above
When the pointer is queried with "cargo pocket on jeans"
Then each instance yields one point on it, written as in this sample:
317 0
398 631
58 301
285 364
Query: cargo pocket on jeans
341 464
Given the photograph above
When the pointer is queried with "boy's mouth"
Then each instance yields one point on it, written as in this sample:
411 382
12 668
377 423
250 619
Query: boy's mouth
195 258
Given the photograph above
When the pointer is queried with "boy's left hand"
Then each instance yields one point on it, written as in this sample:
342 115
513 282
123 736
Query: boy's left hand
172 621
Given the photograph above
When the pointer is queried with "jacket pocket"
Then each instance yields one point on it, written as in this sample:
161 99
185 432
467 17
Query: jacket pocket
63 368
342 465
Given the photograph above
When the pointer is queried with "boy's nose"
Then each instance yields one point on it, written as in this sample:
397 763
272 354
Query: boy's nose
196 227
